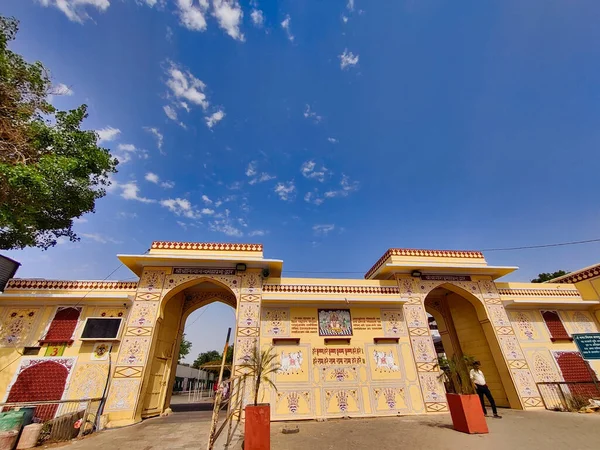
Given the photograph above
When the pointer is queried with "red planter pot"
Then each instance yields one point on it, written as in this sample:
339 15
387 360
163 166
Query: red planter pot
467 415
257 429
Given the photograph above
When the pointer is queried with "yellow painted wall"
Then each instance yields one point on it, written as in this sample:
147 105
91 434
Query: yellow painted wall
334 380
88 375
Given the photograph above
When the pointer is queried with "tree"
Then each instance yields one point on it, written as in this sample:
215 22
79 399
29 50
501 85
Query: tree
548 276
206 357
260 366
51 171
184 347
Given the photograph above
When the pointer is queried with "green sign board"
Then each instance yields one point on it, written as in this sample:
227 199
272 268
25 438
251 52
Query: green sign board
588 345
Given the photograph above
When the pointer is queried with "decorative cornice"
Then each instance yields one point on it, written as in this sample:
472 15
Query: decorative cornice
316 289
423 253
540 292
214 246
580 275
28 284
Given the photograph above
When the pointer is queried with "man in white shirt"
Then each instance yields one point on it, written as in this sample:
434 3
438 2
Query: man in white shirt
478 379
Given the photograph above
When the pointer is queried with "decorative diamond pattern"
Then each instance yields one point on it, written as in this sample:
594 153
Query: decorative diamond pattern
128 372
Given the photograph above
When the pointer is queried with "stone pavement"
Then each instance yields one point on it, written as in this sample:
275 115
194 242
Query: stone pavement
533 430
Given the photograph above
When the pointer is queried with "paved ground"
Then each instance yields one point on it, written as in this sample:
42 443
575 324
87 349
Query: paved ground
535 430
517 430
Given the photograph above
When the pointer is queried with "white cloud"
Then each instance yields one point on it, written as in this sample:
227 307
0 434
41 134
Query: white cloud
286 26
313 197
107 134
186 86
206 200
126 215
159 137
264 176
170 112
181 207
344 19
100 238
347 187
130 151
62 89
192 14
286 191
350 5
152 178
308 171
169 34
348 59
130 191
214 118
127 147
229 15
258 233
185 106
324 229
208 211
80 220
225 226
251 169
258 18
332 140
311 114
76 10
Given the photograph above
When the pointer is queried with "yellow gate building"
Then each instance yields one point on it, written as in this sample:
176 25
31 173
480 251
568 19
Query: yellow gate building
347 347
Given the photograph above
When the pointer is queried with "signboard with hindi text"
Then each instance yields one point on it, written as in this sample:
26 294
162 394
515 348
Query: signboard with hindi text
588 345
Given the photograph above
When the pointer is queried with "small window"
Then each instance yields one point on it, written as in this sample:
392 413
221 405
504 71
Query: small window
63 326
555 326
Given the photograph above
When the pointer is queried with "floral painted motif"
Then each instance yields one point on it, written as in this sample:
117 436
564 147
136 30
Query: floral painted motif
583 323
248 314
152 279
390 395
244 349
293 401
122 395
143 314
111 312
100 351
525 383
498 315
432 387
415 316
524 325
17 325
133 351
277 321
88 381
393 322
423 349
511 347
544 370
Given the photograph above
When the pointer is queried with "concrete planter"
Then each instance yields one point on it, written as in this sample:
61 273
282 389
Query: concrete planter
257 429
467 415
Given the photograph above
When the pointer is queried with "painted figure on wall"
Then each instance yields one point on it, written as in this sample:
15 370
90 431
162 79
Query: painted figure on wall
291 362
335 322
385 361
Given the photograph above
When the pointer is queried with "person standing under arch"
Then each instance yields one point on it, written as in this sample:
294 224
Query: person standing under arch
478 379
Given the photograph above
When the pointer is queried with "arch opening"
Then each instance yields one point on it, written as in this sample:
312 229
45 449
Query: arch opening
461 328
183 313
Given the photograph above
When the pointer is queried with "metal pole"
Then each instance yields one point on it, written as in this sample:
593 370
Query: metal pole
219 393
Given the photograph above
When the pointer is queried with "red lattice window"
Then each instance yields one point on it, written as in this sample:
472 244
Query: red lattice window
41 382
555 326
577 373
63 326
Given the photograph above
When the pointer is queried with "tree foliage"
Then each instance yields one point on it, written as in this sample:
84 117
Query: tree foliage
184 347
260 366
51 171
206 357
542 277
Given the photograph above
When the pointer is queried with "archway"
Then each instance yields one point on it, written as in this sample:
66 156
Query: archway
460 320
175 309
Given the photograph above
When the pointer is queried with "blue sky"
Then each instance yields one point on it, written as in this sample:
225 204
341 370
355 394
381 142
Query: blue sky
329 130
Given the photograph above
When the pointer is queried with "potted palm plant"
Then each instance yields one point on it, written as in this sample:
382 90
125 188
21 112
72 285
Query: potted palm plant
464 403
257 429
